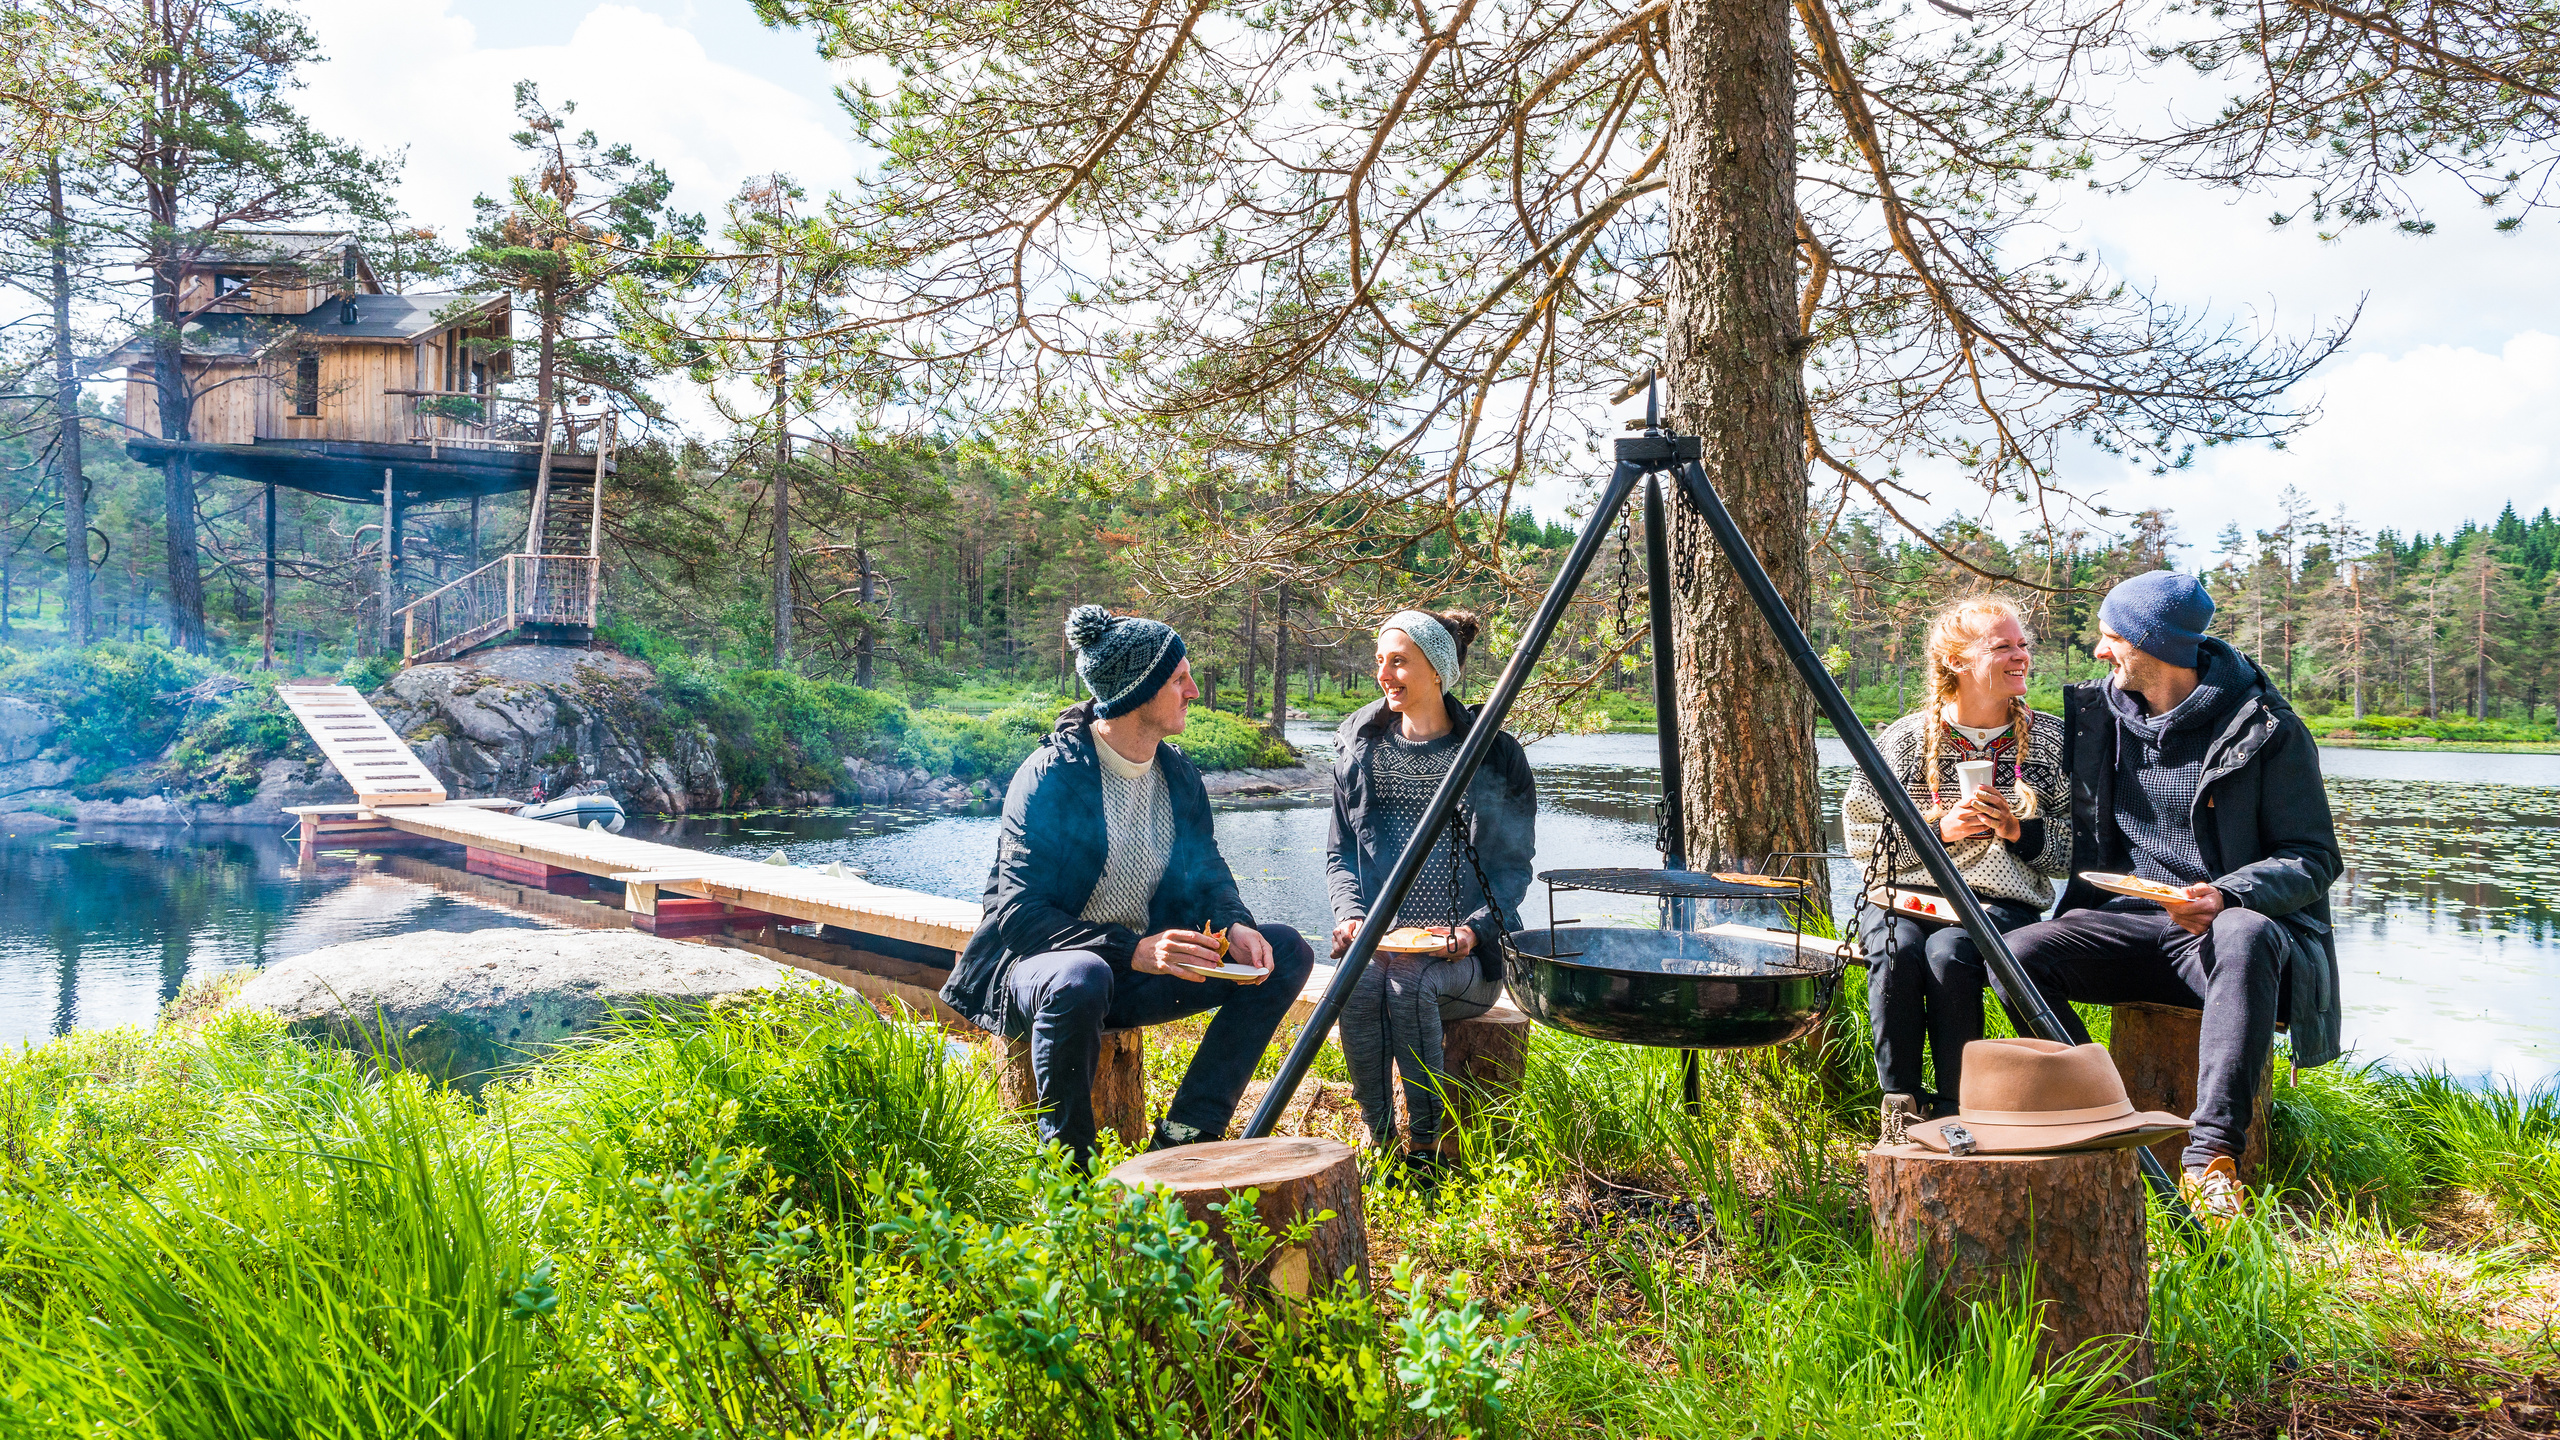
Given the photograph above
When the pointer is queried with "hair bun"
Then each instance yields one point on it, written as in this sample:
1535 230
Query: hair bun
1462 627
1087 624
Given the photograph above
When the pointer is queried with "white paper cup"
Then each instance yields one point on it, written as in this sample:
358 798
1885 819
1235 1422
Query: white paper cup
1972 775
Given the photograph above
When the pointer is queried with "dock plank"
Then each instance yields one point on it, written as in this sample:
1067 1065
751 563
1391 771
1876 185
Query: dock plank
807 896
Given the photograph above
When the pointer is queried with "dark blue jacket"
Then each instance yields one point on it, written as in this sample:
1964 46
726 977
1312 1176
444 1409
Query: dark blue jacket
2261 819
1049 855
1503 796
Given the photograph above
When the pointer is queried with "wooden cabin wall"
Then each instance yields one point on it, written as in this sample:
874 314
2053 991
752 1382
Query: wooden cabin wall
229 402
268 294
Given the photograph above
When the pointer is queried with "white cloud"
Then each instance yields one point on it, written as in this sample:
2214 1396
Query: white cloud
2418 441
417 75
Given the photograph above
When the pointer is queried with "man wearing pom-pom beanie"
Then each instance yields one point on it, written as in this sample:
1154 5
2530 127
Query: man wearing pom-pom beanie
2188 769
1105 864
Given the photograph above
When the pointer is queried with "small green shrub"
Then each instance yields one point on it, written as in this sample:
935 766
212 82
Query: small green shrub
1216 740
120 702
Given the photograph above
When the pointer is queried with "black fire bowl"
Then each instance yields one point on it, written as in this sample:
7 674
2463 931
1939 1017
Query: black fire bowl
1682 989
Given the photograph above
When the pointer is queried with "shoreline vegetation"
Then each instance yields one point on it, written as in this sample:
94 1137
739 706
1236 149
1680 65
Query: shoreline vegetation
788 1217
137 719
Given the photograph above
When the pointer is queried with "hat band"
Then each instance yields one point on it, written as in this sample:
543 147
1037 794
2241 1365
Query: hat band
2114 1111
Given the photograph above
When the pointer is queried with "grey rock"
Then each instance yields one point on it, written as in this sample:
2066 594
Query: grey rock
504 721
1264 782
24 729
462 1006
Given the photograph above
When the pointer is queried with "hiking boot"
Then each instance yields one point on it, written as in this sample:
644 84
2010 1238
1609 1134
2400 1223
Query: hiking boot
1423 1170
2215 1190
1170 1136
1899 1113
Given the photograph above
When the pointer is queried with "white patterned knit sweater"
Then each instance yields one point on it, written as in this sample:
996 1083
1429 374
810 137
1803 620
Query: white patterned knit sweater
1137 818
1990 865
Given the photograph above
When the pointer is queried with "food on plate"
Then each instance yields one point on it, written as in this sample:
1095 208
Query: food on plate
2133 885
1414 940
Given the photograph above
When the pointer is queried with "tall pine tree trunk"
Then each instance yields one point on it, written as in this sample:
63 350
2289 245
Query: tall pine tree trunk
781 513
1734 379
66 405
1280 659
177 472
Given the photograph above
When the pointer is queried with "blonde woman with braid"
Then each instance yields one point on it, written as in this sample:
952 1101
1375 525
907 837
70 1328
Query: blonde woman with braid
2010 840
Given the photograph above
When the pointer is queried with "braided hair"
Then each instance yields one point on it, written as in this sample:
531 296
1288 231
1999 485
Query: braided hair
1955 636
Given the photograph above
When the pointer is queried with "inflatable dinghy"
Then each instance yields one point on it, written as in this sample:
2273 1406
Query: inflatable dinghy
579 811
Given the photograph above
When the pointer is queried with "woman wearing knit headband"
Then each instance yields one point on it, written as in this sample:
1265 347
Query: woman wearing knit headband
2010 840
1389 759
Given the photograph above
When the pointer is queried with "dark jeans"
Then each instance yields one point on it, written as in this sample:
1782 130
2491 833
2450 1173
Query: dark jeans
1064 999
1926 981
2130 952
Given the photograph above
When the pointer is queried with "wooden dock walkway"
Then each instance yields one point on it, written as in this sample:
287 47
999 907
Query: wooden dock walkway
648 870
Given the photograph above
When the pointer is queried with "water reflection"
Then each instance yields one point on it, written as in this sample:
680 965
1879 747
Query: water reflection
2447 929
103 927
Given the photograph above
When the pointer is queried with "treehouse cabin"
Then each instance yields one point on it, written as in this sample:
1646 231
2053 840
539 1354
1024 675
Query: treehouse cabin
303 371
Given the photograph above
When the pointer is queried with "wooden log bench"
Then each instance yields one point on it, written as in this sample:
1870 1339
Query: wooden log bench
1486 1057
2154 1047
1119 1083
2074 1222
1291 1177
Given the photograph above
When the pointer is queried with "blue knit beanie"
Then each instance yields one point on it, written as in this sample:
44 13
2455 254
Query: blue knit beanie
1123 659
2163 614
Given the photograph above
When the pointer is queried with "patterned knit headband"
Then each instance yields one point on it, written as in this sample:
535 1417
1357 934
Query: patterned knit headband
1430 637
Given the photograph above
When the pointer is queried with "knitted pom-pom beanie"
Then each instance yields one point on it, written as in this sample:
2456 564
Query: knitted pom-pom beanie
1123 659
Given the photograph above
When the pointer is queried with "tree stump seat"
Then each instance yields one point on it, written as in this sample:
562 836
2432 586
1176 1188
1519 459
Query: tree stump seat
1977 1223
1119 1084
2154 1047
1292 1177
1486 1058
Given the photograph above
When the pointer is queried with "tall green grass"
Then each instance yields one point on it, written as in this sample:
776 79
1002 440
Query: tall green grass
338 1265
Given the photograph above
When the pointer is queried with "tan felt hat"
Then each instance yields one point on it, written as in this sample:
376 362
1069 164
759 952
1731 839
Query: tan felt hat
2025 1096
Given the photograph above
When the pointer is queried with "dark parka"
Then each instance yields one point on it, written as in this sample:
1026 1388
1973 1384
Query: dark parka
1503 796
2261 820
1049 855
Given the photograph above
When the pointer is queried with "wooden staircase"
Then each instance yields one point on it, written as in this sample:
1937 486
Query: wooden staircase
549 591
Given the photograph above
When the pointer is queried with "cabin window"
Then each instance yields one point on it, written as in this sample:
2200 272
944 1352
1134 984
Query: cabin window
306 384
479 378
227 285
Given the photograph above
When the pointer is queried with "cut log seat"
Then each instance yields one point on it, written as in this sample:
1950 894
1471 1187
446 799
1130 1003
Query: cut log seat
1981 1222
1119 1083
2155 1050
1291 1177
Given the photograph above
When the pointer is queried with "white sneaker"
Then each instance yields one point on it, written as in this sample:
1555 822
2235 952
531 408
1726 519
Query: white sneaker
2215 1189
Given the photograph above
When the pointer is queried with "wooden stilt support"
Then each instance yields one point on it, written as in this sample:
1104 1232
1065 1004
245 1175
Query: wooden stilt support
2154 1047
1292 1178
2073 1221
1119 1084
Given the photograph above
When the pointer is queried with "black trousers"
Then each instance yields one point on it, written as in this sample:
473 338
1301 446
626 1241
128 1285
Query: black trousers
2130 952
1062 1001
1924 982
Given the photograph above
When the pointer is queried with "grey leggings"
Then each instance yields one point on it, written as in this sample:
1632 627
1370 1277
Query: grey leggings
1396 1012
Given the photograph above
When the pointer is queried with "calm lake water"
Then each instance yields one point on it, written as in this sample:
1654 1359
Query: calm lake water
2449 914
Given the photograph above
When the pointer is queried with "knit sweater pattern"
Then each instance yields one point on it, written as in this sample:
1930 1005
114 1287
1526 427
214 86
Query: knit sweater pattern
1995 869
1407 774
1137 816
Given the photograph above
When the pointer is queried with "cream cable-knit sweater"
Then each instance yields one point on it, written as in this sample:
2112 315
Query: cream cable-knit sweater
1995 869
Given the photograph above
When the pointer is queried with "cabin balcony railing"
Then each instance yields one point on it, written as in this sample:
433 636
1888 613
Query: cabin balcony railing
507 593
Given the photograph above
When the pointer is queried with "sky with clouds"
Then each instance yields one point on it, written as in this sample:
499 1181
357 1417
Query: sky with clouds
2444 406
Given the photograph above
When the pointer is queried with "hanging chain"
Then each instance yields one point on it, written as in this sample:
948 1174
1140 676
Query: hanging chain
1466 823
1626 545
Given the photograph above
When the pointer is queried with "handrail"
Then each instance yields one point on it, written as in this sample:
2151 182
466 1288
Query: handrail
493 600
453 583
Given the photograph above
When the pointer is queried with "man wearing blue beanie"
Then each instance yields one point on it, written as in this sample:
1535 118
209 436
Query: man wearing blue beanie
2189 770
1105 863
